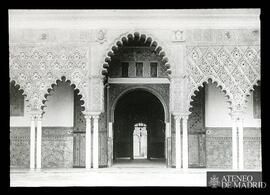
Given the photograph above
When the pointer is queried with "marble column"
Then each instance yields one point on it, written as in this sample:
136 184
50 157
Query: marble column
177 142
95 142
39 140
88 142
110 143
32 143
241 144
168 144
234 144
185 142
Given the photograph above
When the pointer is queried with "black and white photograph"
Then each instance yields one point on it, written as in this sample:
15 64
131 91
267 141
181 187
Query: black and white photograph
135 97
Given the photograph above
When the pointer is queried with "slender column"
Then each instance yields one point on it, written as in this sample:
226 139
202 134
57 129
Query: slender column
185 142
32 143
234 144
39 140
177 142
241 144
168 143
110 143
88 142
95 142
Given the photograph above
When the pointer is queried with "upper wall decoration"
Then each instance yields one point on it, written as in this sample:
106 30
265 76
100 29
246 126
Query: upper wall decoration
36 68
101 36
178 36
235 68
222 36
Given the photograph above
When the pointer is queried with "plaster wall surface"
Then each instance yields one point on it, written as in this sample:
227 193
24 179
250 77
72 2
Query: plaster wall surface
58 111
217 109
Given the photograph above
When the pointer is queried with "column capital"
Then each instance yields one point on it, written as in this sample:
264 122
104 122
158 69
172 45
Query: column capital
237 115
36 114
185 117
94 115
33 117
177 117
181 115
39 117
87 115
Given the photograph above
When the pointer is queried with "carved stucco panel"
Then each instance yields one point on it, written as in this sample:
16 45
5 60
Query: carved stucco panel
235 68
35 68
97 94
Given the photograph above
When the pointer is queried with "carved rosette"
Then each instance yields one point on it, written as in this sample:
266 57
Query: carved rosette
36 68
236 69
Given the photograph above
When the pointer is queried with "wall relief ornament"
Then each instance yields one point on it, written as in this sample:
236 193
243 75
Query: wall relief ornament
178 35
236 69
101 36
36 68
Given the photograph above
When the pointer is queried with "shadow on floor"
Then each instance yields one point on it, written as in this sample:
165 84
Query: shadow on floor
141 163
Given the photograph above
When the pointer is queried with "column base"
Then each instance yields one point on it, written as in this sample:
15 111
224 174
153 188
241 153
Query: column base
38 170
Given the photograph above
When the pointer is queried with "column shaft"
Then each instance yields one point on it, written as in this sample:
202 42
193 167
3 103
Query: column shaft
234 146
241 145
167 144
39 142
185 143
32 143
95 143
88 143
110 144
178 143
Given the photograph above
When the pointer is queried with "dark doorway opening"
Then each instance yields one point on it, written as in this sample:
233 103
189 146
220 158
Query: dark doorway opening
138 107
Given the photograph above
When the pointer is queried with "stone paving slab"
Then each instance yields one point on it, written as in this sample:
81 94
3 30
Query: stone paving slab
112 177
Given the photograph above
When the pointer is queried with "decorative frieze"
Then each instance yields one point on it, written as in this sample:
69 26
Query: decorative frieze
222 36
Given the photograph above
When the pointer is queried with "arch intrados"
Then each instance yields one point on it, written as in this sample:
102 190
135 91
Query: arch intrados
72 85
146 89
206 82
18 87
257 83
124 39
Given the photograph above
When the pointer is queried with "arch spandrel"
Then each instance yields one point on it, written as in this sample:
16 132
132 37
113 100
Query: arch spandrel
37 68
234 68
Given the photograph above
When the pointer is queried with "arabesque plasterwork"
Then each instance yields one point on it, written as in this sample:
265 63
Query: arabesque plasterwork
36 68
231 58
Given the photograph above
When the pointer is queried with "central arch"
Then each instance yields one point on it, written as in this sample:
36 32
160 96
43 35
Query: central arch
134 107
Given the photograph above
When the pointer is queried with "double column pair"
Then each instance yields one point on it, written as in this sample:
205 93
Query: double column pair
181 145
35 141
237 142
88 142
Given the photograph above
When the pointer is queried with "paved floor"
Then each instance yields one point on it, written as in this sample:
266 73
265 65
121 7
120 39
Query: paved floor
108 177
139 172
139 163
124 172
